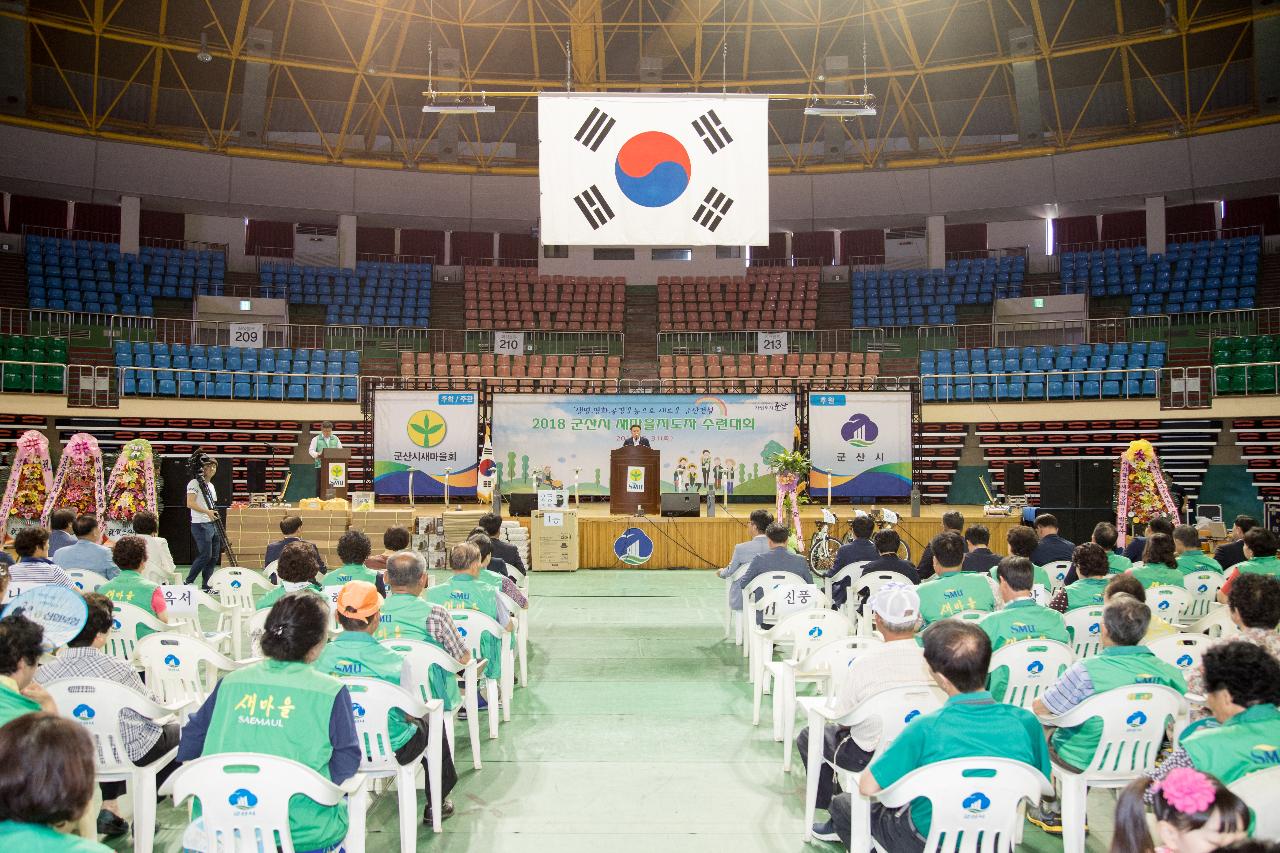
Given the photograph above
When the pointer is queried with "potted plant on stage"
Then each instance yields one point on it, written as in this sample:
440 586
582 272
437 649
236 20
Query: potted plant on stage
789 467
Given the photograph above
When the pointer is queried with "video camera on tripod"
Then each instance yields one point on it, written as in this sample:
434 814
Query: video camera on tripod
195 465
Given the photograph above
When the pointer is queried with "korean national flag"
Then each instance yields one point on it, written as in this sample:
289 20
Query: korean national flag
653 170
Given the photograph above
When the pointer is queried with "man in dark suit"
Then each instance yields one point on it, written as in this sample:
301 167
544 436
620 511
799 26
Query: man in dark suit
887 543
290 526
491 524
776 559
980 557
636 439
861 549
1138 544
950 521
1052 547
1232 552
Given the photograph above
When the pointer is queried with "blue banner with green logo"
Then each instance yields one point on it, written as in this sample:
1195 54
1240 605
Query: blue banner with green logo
422 438
860 444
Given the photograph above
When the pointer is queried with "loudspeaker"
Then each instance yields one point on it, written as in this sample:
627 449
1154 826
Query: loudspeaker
175 526
680 505
1077 523
522 503
176 476
1015 479
256 475
1059 483
1096 482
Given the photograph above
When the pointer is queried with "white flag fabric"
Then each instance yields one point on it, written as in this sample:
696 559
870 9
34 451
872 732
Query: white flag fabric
653 170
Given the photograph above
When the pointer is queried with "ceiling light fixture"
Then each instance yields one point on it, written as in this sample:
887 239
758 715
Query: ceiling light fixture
453 105
204 55
459 107
861 104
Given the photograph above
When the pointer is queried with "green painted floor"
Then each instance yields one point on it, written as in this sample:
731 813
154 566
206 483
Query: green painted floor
635 735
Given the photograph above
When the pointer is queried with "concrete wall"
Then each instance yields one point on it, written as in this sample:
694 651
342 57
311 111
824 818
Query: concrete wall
642 270
1019 233
221 229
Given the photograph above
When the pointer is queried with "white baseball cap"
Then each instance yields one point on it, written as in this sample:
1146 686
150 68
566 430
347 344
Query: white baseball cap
896 603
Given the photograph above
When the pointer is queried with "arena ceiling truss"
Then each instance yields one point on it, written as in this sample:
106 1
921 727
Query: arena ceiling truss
343 81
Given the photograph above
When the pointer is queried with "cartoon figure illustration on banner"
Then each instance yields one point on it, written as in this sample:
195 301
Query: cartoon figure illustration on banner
677 474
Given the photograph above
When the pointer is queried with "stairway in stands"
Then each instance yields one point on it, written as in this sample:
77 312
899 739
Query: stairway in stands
448 305
13 281
835 305
1269 284
640 359
244 284
1042 284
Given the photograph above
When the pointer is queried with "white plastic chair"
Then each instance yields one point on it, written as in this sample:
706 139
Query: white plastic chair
1202 587
978 803
1181 650
472 625
372 701
1170 603
124 630
822 665
419 658
521 617
1057 571
235 586
851 573
1133 725
1216 623
1085 626
244 800
96 704
1261 792
256 625
871 584
192 625
85 580
750 606
1033 665
894 708
971 615
803 631
776 605
180 669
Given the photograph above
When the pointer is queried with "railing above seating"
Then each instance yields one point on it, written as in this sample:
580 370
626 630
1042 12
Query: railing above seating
1100 330
123 327
1215 234
108 237
536 341
747 341
500 262
375 258
791 261
1244 322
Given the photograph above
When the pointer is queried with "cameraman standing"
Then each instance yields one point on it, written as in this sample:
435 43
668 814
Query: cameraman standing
204 527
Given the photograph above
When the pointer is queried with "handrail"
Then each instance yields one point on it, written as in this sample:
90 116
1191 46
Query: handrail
109 237
5 364
745 341
1215 234
792 261
499 262
1247 368
1077 376
1264 321
218 332
537 341
378 258
235 376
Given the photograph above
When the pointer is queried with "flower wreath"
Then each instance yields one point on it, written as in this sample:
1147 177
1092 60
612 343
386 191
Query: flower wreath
29 481
78 483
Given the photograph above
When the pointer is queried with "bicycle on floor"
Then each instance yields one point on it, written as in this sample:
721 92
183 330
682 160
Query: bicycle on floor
822 553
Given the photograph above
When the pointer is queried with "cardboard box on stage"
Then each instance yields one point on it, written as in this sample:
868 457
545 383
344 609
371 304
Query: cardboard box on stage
374 522
251 530
554 538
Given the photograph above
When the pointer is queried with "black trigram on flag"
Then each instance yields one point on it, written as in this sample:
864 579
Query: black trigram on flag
714 135
711 212
593 206
595 129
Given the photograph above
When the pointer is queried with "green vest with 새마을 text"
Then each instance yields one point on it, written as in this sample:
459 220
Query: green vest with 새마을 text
1197 561
949 593
323 444
1244 744
282 708
1020 620
348 573
404 617
463 592
355 654
1086 592
130 587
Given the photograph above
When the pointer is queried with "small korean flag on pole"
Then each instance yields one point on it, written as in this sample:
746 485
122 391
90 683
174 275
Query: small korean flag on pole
653 170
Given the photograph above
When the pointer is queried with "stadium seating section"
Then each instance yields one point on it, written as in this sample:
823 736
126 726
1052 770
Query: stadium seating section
793 366
32 364
929 297
1258 439
375 293
765 298
1209 275
95 277
1082 371
508 372
1252 378
179 370
519 298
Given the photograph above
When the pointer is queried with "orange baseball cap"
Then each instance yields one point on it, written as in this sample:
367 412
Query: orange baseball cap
358 599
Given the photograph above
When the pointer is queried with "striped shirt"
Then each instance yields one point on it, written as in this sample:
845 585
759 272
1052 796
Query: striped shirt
139 733
1071 689
442 629
38 570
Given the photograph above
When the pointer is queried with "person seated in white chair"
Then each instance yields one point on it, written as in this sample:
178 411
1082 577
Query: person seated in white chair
861 549
897 662
47 785
887 543
21 644
282 706
1159 563
297 570
1191 557
31 544
745 552
130 587
1254 605
1122 662
952 590
60 523
776 559
1090 566
970 724
160 566
88 553
144 741
1021 618
356 654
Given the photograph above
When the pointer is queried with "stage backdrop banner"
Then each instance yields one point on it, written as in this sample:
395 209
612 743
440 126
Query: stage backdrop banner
860 444
727 439
653 170
420 434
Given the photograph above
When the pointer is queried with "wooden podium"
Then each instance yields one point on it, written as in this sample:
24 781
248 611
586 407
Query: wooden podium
624 496
333 486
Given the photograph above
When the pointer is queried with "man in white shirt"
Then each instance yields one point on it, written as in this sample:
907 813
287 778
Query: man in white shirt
326 440
897 662
745 552
203 529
